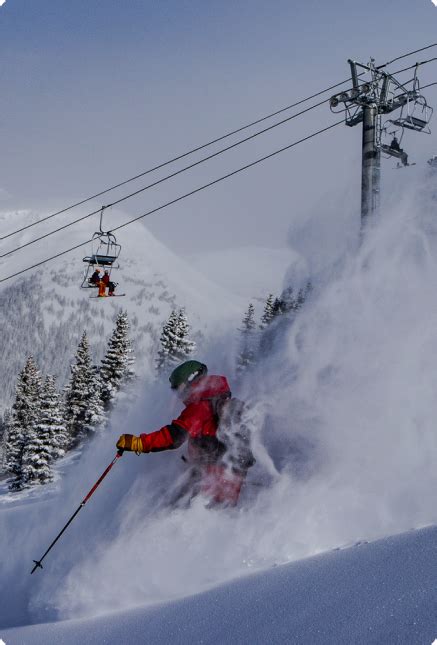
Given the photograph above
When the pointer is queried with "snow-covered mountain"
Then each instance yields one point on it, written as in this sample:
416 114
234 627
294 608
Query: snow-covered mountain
44 311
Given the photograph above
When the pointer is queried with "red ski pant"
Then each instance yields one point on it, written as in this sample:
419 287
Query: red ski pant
220 485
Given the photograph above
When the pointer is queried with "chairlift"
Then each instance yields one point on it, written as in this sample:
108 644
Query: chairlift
433 162
394 148
415 114
105 252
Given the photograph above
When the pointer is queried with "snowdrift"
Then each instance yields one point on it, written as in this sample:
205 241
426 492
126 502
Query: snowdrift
382 592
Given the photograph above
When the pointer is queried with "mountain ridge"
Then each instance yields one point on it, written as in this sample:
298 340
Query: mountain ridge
44 312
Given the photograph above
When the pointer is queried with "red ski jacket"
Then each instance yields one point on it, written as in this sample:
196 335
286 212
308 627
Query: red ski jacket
197 423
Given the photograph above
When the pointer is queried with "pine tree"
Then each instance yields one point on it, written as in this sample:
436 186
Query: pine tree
2 429
5 425
51 423
272 309
246 356
176 345
304 293
116 369
289 302
45 440
268 313
83 407
185 347
25 414
278 307
36 458
168 340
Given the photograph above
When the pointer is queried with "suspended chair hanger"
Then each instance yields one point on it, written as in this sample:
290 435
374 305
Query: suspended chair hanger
105 251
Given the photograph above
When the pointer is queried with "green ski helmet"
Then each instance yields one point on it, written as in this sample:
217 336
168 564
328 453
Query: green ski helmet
187 373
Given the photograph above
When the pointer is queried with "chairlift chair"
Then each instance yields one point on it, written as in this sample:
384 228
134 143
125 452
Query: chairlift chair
415 115
393 149
398 153
105 252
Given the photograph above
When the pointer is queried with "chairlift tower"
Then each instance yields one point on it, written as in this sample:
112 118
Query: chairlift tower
380 93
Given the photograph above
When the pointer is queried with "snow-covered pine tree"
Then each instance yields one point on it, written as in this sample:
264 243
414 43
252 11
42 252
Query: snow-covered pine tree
247 353
36 458
117 366
286 304
51 423
278 307
268 313
2 429
25 414
83 406
46 441
176 344
168 343
4 434
273 308
289 302
185 347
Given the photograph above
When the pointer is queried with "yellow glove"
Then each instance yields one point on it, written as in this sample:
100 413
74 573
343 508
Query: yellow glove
130 442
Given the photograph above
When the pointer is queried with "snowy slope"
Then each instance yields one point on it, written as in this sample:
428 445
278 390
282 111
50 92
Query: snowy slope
343 409
383 592
44 312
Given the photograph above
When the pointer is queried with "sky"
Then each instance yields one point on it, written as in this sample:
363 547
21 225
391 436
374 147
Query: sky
94 93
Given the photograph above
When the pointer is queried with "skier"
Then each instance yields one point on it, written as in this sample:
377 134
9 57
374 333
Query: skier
403 155
108 283
95 278
106 278
102 289
219 458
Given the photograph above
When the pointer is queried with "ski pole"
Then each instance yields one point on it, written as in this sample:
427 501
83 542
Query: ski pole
81 505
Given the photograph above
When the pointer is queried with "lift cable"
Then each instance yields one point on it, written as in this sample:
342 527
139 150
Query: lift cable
178 172
429 85
160 181
201 147
174 159
416 51
418 64
178 199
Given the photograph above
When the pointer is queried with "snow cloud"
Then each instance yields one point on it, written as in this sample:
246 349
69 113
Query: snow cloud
343 412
